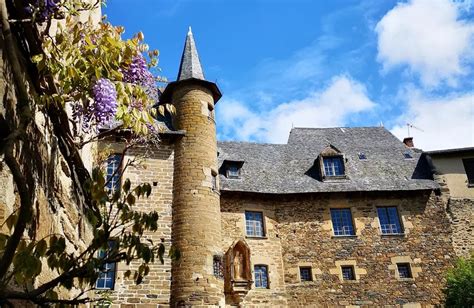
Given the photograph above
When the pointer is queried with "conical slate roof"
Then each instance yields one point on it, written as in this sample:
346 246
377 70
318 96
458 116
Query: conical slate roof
190 66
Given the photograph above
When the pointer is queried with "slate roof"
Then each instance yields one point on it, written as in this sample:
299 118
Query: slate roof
290 168
190 66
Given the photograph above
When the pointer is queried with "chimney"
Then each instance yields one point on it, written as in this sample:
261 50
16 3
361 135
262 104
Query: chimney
408 141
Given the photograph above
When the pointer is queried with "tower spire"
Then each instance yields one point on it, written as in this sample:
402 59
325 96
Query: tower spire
190 66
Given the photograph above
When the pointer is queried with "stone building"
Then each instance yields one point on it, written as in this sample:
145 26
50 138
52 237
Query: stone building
453 169
336 217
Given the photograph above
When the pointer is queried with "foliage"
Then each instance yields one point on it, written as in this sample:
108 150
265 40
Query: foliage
109 85
460 284
81 58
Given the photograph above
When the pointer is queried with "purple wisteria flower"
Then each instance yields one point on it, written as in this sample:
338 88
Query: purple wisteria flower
105 101
139 74
45 8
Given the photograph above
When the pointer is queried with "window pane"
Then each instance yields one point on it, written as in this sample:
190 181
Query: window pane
113 172
404 270
342 222
305 274
333 166
254 224
347 272
261 276
106 279
233 171
389 220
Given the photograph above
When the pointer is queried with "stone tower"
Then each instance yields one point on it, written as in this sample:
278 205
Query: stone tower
196 224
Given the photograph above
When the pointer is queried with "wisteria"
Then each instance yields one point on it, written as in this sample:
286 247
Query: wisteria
44 8
139 74
105 101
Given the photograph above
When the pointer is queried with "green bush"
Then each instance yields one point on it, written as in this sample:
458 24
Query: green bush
460 284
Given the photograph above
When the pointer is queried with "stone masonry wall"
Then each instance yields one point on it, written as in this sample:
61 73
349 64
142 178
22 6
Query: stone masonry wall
461 212
54 205
299 233
155 166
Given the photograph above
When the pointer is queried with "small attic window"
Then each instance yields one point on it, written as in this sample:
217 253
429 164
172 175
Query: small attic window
332 163
407 155
333 166
231 169
362 156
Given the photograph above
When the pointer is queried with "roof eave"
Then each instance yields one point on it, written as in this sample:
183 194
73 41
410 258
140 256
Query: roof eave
166 96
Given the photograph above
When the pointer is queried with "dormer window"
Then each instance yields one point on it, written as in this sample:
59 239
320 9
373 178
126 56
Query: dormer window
331 162
407 155
333 166
231 169
362 156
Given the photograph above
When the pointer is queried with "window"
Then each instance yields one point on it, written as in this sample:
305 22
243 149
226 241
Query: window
362 156
261 276
233 171
333 166
407 155
106 279
404 270
254 224
469 167
218 265
113 172
389 220
210 110
347 272
342 222
305 273
214 179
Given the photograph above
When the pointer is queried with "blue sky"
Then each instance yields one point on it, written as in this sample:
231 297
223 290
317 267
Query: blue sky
307 63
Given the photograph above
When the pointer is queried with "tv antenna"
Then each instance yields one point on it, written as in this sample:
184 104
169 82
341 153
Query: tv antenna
409 125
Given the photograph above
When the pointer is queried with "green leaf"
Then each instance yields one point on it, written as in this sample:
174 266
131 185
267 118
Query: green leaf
41 247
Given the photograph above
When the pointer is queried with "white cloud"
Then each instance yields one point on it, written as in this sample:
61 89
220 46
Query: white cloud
428 37
332 106
447 122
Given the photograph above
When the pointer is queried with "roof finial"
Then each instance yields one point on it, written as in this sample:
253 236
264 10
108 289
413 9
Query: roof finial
190 32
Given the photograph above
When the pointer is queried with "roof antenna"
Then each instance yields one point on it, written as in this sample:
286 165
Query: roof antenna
409 125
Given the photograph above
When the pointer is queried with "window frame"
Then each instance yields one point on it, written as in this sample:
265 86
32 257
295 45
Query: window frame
341 219
352 277
115 174
340 158
262 222
310 273
228 173
218 266
409 270
256 280
106 270
399 217
468 164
